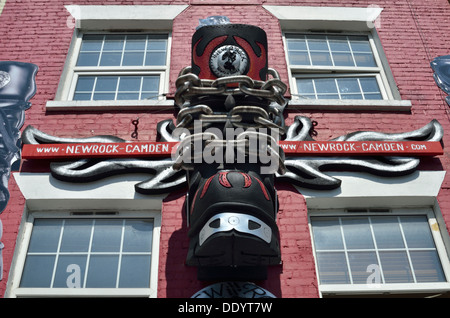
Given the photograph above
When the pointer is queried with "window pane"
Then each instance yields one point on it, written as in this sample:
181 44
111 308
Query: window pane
321 59
138 236
327 234
427 266
332 268
92 247
113 43
104 96
151 95
351 96
135 42
133 59
128 88
396 267
305 88
88 59
388 257
299 58
325 85
111 59
348 85
85 84
130 84
106 83
82 96
387 232
357 233
359 264
296 44
349 88
150 84
102 271
369 84
343 59
327 96
91 42
70 271
338 43
373 96
155 58
134 271
317 43
128 96
107 236
417 232
364 60
360 44
155 44
45 236
345 51
76 236
38 271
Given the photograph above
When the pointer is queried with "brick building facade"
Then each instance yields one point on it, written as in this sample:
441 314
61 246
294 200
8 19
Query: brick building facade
404 39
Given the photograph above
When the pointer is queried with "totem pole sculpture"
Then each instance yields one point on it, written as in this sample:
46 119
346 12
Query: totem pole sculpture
17 87
229 106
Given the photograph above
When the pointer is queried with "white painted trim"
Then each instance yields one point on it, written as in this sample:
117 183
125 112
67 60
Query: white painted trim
391 98
360 189
320 18
396 288
13 290
114 17
101 105
43 192
349 104
385 289
47 197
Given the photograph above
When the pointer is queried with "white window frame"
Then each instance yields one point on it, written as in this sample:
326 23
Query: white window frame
54 198
161 74
70 76
400 288
148 19
347 20
295 71
25 235
377 76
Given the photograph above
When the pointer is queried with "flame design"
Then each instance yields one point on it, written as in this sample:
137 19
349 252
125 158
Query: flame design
257 63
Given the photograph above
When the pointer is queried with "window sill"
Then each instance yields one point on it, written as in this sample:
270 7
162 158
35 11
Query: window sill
386 289
333 104
83 292
55 105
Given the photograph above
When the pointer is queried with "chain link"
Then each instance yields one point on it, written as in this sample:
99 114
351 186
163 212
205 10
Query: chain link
189 85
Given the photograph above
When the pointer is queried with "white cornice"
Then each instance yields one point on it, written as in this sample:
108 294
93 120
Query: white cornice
359 189
321 18
43 192
119 17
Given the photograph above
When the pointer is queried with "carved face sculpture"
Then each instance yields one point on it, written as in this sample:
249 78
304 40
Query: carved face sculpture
232 206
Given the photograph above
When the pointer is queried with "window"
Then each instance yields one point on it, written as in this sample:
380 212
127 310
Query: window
362 251
87 254
335 66
120 67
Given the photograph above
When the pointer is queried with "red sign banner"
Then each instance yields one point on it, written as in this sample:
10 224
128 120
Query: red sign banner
362 148
290 148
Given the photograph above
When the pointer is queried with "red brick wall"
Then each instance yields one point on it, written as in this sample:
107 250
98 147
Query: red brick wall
411 33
